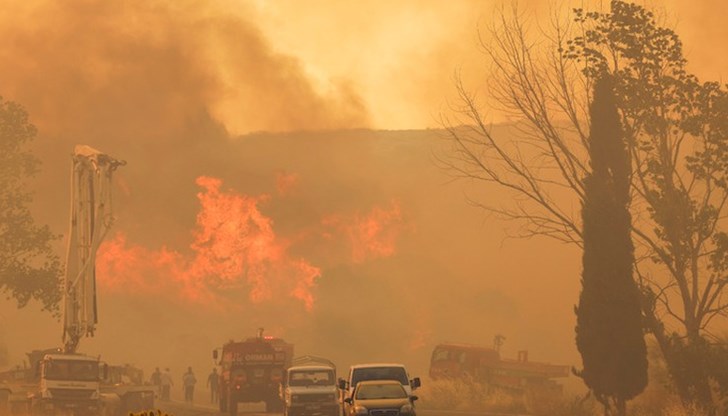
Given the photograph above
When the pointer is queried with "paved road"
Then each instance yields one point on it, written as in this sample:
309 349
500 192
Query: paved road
182 409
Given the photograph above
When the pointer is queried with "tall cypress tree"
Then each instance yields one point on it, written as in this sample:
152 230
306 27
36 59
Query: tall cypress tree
609 332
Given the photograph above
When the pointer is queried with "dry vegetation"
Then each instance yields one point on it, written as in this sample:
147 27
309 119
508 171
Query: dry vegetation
657 400
467 395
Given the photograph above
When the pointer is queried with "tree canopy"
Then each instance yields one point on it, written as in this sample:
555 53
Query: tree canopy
29 269
609 332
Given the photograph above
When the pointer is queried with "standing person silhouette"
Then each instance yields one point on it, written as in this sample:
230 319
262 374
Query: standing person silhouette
165 380
156 380
213 383
188 384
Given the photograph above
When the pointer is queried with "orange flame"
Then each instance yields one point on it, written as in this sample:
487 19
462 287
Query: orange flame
372 235
234 247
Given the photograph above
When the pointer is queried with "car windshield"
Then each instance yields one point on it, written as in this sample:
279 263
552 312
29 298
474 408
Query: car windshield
380 391
311 377
379 373
72 370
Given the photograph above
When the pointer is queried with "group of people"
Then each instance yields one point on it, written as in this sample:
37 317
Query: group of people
163 383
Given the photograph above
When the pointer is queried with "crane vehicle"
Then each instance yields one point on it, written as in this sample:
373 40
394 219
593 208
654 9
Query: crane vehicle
65 381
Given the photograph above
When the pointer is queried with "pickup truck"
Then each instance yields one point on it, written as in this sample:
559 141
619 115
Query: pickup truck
381 371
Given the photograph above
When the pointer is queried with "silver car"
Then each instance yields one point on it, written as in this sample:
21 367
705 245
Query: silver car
380 398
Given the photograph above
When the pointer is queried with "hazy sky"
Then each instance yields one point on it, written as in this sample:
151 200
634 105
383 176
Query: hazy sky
277 65
400 56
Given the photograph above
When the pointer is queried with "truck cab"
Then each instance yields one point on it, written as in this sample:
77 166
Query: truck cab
68 382
309 388
252 371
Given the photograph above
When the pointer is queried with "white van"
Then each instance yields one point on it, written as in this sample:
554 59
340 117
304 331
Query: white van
309 388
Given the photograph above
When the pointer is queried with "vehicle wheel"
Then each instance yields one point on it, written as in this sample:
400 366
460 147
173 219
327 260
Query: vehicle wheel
274 406
34 408
223 402
233 407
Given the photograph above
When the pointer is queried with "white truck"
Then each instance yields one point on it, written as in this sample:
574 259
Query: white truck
68 384
375 371
309 388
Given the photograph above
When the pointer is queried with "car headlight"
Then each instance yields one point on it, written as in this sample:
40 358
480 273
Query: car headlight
361 410
406 409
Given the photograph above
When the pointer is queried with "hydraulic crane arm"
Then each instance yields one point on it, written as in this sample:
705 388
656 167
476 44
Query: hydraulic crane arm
91 219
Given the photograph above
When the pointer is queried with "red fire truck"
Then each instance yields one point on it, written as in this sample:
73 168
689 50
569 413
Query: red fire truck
485 365
251 371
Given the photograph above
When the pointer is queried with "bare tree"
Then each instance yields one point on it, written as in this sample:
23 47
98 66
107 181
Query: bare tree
676 129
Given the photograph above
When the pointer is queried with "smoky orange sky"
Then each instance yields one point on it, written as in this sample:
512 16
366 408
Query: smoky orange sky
314 123
260 65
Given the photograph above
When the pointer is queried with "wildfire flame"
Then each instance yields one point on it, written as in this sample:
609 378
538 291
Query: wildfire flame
372 235
235 248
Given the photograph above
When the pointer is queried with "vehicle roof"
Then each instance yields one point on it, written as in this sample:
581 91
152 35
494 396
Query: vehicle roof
77 357
453 345
364 383
373 365
310 368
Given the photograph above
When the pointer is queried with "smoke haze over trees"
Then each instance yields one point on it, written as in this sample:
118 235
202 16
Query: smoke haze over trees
675 130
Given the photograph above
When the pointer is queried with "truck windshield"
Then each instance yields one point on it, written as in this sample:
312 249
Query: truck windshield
72 370
379 373
311 377
440 355
380 391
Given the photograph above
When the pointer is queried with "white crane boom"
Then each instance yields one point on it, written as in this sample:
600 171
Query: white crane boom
91 219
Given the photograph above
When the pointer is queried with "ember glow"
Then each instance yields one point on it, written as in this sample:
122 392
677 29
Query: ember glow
236 250
372 235
286 182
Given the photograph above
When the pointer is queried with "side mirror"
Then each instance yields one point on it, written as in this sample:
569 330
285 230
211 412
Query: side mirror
342 384
214 354
415 382
348 400
414 398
